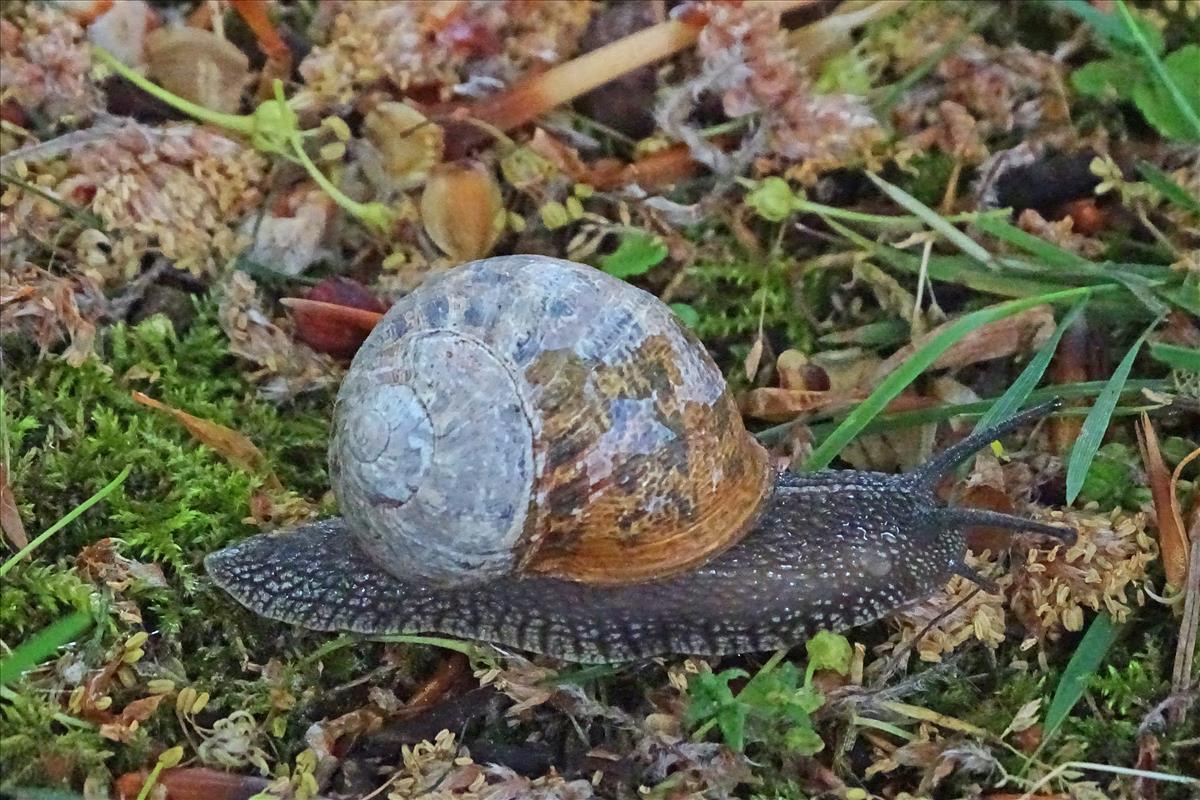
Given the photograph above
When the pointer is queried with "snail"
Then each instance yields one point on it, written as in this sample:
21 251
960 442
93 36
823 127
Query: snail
533 453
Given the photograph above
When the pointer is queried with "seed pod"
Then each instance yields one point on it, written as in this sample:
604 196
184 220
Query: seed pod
462 210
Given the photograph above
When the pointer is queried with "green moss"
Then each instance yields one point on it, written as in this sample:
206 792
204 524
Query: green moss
730 298
71 430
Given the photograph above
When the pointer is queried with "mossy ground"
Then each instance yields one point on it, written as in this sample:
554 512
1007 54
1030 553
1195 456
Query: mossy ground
72 430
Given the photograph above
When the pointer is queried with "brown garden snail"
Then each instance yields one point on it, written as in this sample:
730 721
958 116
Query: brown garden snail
530 452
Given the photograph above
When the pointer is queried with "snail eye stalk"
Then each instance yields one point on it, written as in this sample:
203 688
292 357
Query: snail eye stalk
966 517
941 464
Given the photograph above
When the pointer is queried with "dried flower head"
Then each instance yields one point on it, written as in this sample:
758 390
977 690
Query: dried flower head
45 65
1102 571
286 368
179 190
46 309
745 53
432 43
1045 588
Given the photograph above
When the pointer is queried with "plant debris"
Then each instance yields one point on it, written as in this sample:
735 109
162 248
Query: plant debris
885 219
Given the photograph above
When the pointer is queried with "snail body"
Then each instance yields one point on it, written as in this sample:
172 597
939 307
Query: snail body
530 452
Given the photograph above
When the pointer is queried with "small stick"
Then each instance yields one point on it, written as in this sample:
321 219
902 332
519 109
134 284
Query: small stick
560 84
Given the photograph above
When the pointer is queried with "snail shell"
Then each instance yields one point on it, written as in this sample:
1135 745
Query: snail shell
528 414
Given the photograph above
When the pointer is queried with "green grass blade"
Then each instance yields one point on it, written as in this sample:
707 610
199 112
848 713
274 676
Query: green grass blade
901 420
934 220
1091 434
893 384
1176 357
1036 246
1083 665
66 520
1171 190
1160 71
950 269
1025 383
1115 35
892 94
42 645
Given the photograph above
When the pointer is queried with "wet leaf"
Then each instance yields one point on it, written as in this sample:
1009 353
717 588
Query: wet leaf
636 255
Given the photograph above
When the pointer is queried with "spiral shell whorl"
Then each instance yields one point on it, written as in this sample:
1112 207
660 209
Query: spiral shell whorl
530 413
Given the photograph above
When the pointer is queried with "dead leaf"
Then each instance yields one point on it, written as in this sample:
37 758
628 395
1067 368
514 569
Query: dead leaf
1003 338
10 517
198 65
123 727
1074 362
754 356
101 563
194 782
1172 539
781 405
231 445
335 329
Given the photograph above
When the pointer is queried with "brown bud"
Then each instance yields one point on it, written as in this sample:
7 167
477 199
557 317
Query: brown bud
336 316
462 210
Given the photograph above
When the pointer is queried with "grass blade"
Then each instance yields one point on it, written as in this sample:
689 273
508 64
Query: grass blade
893 384
66 520
949 269
1160 71
1091 434
1083 665
42 645
933 220
1171 190
1039 248
1176 357
901 420
1017 394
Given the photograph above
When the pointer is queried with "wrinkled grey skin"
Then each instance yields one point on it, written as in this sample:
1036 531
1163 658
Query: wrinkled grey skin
831 550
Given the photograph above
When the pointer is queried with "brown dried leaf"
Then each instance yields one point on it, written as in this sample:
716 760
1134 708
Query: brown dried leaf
754 357
1000 339
233 446
1172 540
10 518
781 405
191 783
101 563
336 316
123 727
198 65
